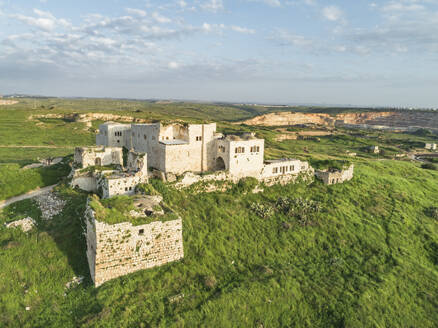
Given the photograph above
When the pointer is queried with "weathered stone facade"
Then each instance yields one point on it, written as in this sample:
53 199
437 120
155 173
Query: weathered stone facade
330 177
109 182
114 250
177 149
98 156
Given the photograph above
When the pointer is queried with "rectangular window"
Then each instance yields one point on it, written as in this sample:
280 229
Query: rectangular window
199 138
292 168
141 232
145 137
240 150
275 170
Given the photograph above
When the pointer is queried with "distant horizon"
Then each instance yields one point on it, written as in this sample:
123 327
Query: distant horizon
249 103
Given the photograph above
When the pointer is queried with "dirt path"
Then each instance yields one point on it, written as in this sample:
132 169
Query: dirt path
27 195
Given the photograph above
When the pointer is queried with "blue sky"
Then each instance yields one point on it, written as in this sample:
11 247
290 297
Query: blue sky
267 51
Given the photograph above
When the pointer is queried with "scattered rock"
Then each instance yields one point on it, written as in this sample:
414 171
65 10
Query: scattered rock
76 281
176 298
25 224
257 189
27 308
50 205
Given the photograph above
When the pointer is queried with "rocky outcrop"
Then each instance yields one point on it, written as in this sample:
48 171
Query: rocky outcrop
88 117
8 102
402 119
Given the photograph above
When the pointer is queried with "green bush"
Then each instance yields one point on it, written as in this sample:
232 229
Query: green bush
432 212
429 166
246 185
146 189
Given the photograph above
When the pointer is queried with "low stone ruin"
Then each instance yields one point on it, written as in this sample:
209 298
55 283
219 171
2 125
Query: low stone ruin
334 176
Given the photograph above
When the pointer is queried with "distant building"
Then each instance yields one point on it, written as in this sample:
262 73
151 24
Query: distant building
374 149
430 146
334 176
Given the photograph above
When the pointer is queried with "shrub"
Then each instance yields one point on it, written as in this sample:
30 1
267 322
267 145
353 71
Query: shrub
429 166
301 208
246 184
262 210
146 189
210 282
432 212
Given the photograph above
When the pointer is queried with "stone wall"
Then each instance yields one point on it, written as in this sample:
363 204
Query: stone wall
114 135
120 184
330 177
119 249
100 156
85 182
241 158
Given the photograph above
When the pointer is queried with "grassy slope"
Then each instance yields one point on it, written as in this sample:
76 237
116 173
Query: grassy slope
371 261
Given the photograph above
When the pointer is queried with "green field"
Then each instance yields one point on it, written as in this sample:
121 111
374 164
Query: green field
368 258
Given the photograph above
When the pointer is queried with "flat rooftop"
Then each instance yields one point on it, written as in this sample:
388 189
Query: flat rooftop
174 142
281 160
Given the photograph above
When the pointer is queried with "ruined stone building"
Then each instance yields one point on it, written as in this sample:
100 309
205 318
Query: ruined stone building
117 249
334 176
197 148
108 177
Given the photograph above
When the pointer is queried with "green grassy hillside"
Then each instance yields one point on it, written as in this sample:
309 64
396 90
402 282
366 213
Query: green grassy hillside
368 259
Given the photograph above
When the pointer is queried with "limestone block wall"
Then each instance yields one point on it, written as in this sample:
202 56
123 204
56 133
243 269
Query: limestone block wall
120 185
333 177
120 249
87 183
89 156
145 139
114 135
137 162
242 162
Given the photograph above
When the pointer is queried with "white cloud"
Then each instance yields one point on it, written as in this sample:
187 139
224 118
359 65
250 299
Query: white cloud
213 5
272 3
161 19
332 13
182 3
243 30
137 12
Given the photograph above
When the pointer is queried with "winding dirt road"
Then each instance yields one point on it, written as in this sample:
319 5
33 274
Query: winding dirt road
27 195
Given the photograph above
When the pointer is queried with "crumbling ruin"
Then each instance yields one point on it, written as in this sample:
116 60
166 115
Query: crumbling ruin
335 176
116 249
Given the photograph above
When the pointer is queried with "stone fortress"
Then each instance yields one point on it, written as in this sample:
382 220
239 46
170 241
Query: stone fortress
127 155
198 148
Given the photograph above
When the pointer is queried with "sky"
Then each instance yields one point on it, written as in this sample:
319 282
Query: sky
351 52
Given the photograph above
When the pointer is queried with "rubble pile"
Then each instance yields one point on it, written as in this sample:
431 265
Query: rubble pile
50 205
25 224
76 281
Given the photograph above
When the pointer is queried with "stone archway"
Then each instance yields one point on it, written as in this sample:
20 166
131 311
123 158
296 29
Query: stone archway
98 161
220 164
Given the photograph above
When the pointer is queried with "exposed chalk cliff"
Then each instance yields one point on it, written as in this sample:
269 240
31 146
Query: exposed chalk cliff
406 119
